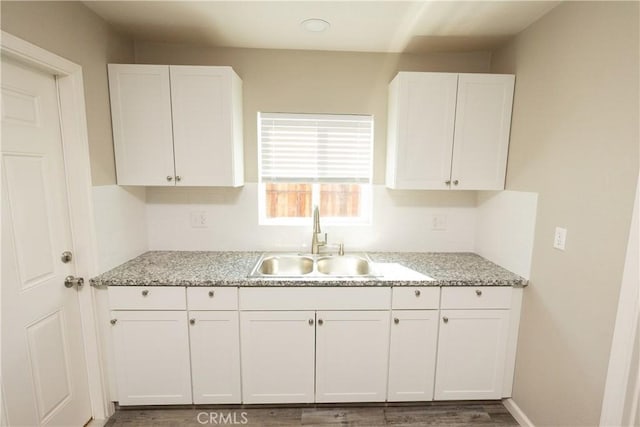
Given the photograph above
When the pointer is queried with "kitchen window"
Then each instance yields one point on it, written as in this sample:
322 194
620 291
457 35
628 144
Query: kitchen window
315 159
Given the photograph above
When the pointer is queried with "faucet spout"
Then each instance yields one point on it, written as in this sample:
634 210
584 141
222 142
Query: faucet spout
316 241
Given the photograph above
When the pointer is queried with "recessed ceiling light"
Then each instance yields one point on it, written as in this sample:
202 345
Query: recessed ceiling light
315 25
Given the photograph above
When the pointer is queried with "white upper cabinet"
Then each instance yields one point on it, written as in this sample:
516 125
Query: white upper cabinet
448 131
481 136
177 125
142 128
422 109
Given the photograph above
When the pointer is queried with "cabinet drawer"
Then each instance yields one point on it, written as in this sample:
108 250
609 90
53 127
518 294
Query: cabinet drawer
209 298
419 298
476 297
147 298
312 298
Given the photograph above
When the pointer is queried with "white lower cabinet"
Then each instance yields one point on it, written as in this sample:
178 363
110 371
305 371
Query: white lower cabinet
472 349
152 357
351 356
412 355
278 353
215 356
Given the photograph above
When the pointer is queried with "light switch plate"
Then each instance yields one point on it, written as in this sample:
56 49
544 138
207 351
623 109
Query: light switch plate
560 238
439 223
199 219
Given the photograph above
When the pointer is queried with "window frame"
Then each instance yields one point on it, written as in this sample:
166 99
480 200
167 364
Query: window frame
366 188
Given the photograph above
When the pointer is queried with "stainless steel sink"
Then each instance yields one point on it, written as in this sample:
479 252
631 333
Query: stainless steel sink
313 267
346 265
285 265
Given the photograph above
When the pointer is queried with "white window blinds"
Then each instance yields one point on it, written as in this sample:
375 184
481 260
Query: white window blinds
315 147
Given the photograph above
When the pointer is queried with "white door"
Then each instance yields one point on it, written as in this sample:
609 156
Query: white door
43 366
152 357
277 356
215 356
201 100
421 130
141 119
472 347
483 122
412 355
351 356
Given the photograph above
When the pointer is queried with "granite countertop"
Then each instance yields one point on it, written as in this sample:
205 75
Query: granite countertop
189 268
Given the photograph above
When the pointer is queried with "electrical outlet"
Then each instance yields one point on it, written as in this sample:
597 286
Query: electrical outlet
199 219
439 223
560 238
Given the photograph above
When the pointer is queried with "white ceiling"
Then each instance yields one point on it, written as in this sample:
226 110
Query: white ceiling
367 26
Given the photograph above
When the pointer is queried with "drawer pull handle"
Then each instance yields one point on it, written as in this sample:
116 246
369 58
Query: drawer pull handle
320 322
211 294
445 319
113 321
145 293
311 322
417 292
192 321
478 292
396 320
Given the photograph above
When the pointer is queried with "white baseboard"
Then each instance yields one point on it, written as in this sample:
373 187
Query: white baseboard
517 413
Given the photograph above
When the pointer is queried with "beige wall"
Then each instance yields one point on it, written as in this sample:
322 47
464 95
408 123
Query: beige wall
71 30
574 140
312 82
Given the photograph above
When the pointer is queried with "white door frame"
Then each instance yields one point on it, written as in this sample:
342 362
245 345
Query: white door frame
620 371
75 146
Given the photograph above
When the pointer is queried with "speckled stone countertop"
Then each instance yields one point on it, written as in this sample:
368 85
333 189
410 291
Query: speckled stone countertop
186 268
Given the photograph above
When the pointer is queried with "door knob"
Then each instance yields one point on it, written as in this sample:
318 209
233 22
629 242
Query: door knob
211 294
66 257
445 319
169 178
455 182
192 321
396 320
178 178
71 281
311 322
320 322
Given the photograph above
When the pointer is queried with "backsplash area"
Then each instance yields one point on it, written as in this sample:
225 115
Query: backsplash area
403 221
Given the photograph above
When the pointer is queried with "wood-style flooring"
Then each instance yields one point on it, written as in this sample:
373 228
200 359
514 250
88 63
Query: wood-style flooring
449 414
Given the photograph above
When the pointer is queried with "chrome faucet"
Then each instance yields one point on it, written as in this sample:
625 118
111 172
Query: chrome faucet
316 241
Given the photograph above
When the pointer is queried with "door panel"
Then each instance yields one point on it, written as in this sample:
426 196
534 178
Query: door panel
412 355
472 348
483 122
152 357
277 356
215 356
141 118
352 354
43 366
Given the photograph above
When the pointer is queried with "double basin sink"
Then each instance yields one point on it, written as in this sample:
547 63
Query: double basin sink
305 266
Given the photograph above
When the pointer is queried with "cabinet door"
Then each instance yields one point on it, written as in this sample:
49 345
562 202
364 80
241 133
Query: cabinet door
277 356
141 119
215 356
205 139
352 349
483 122
420 134
152 357
412 355
472 347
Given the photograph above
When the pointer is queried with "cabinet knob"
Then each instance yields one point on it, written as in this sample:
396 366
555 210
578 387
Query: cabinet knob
448 182
311 322
113 321
478 292
211 294
145 293
417 292
320 322
178 178
396 320
455 182
192 321
169 178
445 319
